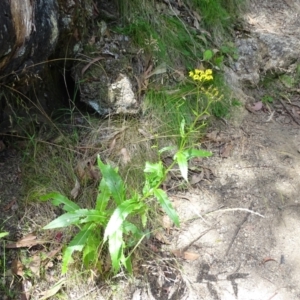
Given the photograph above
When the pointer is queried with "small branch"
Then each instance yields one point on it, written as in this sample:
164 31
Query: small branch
291 115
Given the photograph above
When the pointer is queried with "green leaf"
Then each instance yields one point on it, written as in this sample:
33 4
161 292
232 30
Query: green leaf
114 230
166 204
58 199
190 153
77 217
181 159
129 227
207 55
154 174
126 261
115 247
3 234
164 149
113 181
77 244
90 251
219 60
103 195
181 130
119 215
144 219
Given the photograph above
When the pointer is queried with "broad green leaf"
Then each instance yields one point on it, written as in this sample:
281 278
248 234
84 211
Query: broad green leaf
113 181
166 204
58 199
3 234
156 168
90 251
115 247
207 55
190 153
126 261
181 159
154 174
119 215
129 227
77 244
77 217
103 195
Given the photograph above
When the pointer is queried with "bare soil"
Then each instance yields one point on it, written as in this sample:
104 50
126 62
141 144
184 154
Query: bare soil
245 255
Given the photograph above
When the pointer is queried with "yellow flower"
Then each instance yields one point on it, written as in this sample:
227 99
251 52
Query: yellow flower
191 74
197 71
196 77
208 72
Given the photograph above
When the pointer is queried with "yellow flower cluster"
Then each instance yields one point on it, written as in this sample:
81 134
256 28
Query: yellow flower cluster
200 75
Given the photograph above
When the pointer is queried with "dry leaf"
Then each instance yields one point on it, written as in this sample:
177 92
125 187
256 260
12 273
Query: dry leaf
190 255
198 17
90 63
27 288
125 156
214 136
53 290
197 178
112 144
146 134
207 173
94 172
159 235
267 259
185 255
226 150
161 69
10 204
50 255
167 223
196 24
27 241
75 190
35 264
17 267
257 106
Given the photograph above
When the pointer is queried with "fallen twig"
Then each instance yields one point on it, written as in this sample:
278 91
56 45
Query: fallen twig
287 110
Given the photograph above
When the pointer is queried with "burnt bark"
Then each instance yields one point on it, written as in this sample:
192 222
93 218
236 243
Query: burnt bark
35 37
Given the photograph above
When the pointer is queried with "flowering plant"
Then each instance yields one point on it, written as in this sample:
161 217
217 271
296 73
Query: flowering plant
201 75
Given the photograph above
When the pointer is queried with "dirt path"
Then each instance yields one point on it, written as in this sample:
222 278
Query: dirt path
245 256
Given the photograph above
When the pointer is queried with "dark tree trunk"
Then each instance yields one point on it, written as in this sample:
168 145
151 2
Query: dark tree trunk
34 36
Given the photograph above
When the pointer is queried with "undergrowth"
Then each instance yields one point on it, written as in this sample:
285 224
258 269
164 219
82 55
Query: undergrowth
126 154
